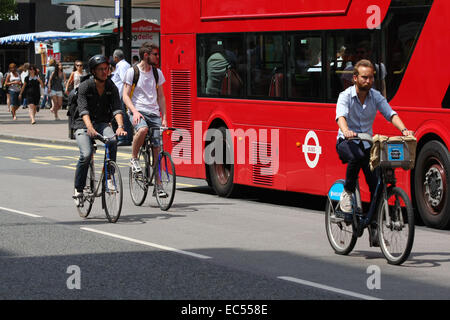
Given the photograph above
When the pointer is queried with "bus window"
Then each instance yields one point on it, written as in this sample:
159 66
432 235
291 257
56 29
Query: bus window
304 67
265 65
221 68
344 50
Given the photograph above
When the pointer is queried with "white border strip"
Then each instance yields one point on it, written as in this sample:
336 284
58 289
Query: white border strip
324 287
21 212
145 243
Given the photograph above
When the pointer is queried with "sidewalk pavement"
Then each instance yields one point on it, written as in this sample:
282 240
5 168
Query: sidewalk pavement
46 129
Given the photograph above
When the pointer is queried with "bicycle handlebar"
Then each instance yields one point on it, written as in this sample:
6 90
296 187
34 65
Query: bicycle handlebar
104 139
362 136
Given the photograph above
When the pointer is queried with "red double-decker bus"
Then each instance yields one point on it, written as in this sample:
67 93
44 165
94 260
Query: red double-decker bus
266 75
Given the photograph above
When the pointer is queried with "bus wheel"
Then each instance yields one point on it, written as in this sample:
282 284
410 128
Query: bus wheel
431 183
221 170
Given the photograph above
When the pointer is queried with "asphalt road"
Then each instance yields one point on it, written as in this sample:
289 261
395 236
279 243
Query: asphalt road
262 245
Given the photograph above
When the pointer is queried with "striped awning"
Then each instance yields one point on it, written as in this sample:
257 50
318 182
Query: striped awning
45 36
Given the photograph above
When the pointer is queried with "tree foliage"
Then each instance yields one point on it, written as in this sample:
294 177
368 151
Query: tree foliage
7 9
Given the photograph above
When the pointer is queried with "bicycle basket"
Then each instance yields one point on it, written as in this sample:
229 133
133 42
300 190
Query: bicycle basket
394 152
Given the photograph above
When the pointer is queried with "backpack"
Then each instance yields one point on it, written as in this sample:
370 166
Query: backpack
136 78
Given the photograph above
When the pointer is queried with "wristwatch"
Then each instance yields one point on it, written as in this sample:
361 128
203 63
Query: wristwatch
122 127
404 130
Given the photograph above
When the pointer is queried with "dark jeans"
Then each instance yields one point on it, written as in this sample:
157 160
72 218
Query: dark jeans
86 150
357 158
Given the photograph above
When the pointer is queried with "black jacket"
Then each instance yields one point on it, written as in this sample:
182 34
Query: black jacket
101 109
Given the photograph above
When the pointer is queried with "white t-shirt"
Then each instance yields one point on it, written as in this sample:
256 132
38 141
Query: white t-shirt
145 97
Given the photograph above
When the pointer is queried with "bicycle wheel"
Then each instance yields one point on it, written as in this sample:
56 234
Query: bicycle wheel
139 181
166 171
339 232
88 198
112 194
397 236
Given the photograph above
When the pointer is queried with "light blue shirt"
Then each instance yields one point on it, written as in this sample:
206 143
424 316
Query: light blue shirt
360 117
119 75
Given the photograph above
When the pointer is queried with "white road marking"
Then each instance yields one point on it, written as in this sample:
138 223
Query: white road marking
328 288
145 243
21 212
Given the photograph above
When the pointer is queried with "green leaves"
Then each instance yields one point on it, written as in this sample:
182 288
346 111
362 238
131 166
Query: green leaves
7 9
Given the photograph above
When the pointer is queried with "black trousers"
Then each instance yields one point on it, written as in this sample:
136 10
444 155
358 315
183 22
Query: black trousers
357 158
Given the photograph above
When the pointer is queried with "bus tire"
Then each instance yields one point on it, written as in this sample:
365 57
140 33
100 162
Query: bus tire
432 185
221 173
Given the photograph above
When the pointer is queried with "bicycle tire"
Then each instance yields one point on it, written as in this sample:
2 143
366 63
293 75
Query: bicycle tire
88 193
112 200
166 169
341 234
139 181
394 253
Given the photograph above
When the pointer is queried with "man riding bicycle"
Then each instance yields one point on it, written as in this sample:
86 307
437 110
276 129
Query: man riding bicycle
146 104
98 102
355 113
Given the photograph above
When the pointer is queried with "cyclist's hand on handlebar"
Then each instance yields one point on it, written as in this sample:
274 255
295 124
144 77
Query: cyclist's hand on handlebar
91 132
137 117
408 133
349 134
121 132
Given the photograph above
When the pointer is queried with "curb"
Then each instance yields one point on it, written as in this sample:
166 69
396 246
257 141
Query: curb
51 141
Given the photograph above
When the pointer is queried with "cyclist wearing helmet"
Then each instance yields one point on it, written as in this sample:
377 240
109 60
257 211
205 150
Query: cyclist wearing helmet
98 102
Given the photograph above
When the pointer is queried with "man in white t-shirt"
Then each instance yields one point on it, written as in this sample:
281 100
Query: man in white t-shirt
147 104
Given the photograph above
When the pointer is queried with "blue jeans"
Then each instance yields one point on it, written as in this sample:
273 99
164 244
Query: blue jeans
86 151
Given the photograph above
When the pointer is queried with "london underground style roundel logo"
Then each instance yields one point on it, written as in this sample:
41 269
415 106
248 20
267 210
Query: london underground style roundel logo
314 149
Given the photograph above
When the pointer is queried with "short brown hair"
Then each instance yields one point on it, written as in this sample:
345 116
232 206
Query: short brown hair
362 63
147 47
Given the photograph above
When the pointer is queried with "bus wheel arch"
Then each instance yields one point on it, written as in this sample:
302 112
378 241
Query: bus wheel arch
220 174
431 181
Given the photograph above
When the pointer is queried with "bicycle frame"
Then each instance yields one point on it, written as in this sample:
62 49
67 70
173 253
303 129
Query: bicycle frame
106 160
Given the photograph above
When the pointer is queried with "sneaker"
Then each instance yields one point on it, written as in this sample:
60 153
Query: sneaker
161 193
111 186
346 202
135 166
77 197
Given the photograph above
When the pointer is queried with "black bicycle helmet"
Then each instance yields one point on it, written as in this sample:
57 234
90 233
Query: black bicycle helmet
96 60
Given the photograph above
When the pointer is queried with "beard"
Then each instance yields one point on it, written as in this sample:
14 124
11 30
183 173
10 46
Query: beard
364 87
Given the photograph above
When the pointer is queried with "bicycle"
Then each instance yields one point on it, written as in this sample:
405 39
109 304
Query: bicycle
390 215
111 189
141 181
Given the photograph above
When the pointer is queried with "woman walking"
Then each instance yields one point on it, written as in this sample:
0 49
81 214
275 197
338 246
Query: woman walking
14 85
32 87
55 85
75 76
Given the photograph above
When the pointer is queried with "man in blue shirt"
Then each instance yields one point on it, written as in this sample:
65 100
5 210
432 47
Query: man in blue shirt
118 78
355 113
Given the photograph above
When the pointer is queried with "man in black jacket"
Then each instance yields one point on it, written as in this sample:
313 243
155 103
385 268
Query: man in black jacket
98 103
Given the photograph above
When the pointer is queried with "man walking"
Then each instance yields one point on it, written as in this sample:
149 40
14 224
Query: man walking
118 78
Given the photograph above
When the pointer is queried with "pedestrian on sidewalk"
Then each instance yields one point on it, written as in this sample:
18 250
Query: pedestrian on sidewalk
75 76
118 78
14 85
51 66
24 72
55 85
32 86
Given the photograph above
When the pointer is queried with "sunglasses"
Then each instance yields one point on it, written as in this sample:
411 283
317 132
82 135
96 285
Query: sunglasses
79 65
